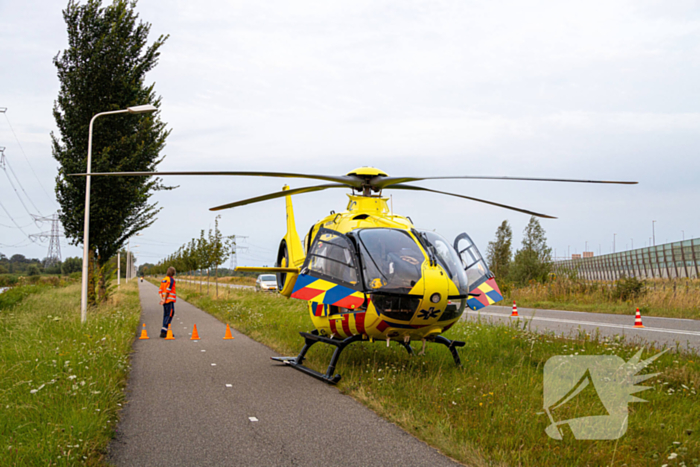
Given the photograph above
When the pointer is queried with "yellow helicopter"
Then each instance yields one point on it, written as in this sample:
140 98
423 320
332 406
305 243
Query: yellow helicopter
371 275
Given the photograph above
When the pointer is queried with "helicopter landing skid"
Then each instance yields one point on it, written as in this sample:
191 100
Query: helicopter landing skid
452 345
310 339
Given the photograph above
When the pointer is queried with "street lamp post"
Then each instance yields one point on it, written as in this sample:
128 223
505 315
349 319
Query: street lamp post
132 271
614 235
128 245
139 109
653 233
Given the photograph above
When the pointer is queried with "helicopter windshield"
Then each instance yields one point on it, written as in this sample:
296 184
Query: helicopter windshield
449 260
392 259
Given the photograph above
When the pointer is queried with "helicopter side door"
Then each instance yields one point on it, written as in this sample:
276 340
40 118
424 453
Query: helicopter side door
331 272
483 290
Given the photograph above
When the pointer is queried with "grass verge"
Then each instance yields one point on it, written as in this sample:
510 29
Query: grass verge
489 411
665 298
61 382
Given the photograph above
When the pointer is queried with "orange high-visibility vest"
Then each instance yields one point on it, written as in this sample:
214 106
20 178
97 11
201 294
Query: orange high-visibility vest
167 290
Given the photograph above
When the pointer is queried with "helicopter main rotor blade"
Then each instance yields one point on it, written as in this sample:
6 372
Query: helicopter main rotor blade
344 179
383 182
279 194
512 208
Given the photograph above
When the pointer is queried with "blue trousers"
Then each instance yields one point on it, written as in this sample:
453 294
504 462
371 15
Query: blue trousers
168 313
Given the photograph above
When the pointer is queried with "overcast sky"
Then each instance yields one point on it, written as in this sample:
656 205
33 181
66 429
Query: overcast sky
575 89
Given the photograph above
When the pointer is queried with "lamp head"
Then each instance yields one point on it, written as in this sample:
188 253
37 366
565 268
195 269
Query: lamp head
139 109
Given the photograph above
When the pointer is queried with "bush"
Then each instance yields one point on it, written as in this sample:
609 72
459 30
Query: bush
53 269
628 288
17 294
8 280
71 265
34 270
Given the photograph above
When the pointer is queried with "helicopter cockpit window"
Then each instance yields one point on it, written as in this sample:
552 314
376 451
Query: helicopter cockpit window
391 259
474 264
332 256
449 260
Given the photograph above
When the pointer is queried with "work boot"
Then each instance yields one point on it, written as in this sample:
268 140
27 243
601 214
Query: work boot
163 333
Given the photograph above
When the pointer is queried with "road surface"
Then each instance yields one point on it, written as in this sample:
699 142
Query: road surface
224 402
662 331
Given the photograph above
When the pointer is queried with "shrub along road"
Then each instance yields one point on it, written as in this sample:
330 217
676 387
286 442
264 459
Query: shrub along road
193 403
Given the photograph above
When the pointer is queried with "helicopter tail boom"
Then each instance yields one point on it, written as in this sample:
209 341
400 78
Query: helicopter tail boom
291 253
267 269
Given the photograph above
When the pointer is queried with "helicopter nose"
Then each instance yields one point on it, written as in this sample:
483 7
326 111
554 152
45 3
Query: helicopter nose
434 301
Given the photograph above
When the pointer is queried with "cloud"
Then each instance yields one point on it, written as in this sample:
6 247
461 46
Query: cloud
595 89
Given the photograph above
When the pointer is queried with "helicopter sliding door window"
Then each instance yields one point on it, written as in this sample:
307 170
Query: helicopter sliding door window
474 264
448 259
332 257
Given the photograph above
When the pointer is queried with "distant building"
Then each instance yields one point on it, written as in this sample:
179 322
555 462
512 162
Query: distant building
576 256
588 254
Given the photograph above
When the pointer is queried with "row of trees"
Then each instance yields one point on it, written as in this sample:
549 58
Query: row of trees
532 262
20 264
207 252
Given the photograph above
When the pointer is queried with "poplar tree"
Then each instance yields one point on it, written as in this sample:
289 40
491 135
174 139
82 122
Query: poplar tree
533 261
499 253
103 69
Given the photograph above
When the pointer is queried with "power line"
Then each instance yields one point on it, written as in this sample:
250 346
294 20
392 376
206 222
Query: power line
261 248
5 164
12 226
16 224
21 244
4 111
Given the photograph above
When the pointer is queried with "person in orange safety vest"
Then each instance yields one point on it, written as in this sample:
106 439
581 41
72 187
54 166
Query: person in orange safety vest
168 297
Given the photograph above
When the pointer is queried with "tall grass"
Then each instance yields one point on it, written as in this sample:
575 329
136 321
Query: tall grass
489 411
61 381
674 299
239 280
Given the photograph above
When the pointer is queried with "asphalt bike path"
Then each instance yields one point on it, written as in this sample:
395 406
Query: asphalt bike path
224 402
657 330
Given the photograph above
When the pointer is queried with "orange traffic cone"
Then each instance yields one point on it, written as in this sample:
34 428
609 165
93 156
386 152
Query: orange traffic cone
169 336
228 334
144 334
638 320
195 334
515 309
